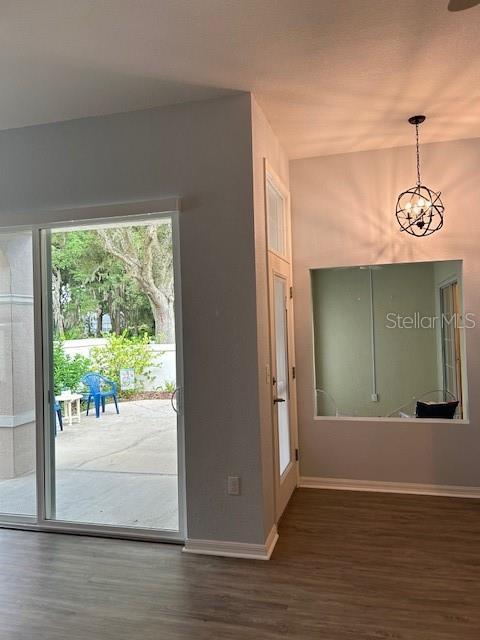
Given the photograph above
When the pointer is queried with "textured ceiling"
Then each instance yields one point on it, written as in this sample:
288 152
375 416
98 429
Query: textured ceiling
331 75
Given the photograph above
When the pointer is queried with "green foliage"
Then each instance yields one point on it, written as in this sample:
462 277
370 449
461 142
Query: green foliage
90 284
111 271
169 386
125 352
75 333
68 370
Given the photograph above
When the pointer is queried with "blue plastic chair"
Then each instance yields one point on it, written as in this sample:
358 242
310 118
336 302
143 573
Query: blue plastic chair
99 388
58 410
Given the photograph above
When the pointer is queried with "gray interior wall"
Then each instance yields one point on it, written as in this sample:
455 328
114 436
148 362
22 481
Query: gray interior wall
201 152
343 214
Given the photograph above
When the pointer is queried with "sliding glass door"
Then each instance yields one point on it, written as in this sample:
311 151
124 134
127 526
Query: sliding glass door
106 454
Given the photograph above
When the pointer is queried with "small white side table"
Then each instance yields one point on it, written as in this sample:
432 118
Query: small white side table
70 399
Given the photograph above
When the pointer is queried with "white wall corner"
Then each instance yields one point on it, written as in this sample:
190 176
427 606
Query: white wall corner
233 549
343 484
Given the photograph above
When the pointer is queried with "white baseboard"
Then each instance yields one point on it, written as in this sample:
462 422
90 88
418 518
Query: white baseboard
233 549
390 487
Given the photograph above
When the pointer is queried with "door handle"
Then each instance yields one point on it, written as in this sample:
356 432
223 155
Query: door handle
173 400
277 400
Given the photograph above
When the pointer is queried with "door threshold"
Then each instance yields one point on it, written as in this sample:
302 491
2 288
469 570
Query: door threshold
120 533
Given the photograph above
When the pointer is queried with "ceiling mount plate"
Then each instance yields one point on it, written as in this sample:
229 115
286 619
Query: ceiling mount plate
416 119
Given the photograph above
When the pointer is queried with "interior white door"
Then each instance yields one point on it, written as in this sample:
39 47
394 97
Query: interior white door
283 383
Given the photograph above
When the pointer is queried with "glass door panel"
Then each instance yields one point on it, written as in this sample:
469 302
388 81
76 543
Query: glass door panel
113 430
282 399
17 371
276 217
283 382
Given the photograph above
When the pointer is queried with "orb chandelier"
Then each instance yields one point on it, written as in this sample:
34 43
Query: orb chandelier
419 209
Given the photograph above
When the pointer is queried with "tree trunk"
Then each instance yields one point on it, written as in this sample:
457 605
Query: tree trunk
98 331
56 303
163 317
115 320
140 266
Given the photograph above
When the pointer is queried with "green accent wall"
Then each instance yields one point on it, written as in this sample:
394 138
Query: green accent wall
406 358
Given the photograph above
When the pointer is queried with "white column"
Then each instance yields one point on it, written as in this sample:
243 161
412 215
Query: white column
17 384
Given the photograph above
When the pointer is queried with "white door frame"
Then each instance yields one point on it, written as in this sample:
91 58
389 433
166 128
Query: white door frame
85 216
283 485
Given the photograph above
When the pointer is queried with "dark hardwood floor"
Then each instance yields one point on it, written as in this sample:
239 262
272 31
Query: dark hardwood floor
347 566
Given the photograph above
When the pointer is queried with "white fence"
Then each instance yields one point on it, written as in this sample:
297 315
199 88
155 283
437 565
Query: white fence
163 372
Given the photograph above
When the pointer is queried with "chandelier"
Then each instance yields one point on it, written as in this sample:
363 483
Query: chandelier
419 209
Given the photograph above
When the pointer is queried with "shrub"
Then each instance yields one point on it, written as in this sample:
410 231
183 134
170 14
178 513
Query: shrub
68 370
169 386
125 352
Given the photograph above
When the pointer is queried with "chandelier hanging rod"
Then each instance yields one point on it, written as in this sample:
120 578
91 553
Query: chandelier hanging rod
417 120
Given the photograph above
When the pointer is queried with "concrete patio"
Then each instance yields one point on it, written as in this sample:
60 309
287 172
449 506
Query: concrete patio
118 469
